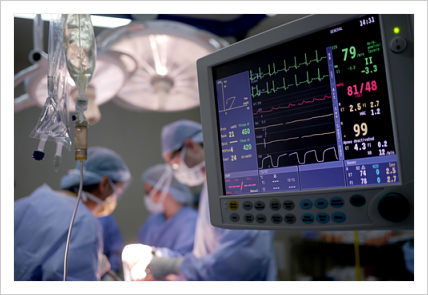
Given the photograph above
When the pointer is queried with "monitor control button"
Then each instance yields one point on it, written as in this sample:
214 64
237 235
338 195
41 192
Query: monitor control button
275 205
233 205
259 205
321 203
234 217
338 217
288 205
307 218
248 205
276 218
249 218
323 218
394 207
357 200
306 204
290 218
398 44
260 218
337 202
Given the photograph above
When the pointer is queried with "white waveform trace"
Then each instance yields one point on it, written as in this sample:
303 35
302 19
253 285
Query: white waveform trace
298 159
316 156
271 160
233 100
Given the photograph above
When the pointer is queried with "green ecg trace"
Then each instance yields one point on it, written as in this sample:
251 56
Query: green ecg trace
272 88
274 71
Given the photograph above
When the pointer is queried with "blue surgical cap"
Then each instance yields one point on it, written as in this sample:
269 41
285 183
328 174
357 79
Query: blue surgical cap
177 190
101 162
175 134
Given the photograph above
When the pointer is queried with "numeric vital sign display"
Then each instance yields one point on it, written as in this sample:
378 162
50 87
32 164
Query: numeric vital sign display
307 114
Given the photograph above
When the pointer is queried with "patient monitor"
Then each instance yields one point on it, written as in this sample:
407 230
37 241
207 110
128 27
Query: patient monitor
310 125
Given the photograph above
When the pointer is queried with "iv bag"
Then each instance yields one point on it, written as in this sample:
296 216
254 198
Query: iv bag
53 122
80 49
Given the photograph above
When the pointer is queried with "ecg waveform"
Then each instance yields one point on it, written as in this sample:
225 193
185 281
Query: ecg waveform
298 158
255 91
292 108
273 71
290 105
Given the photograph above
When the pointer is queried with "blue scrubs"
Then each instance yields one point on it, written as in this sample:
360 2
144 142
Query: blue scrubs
112 240
172 237
228 255
41 225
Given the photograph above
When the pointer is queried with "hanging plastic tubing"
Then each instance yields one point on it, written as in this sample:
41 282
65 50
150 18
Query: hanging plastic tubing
53 122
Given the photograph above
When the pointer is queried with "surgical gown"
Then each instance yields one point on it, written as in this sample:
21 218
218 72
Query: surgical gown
228 255
172 237
112 240
41 225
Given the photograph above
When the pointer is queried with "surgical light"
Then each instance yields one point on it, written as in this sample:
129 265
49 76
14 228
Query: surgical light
166 54
97 20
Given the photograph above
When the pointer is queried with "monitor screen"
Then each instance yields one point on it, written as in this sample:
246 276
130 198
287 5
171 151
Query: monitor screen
309 113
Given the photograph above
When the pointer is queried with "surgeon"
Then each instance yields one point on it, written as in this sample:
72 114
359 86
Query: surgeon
171 227
218 254
113 242
42 220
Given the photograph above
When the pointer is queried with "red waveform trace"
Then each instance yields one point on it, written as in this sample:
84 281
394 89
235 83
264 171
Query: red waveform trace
293 105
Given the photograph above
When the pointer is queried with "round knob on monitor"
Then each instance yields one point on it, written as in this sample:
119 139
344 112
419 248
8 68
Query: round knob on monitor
394 207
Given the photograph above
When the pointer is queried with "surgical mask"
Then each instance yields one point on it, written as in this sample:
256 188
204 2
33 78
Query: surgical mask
103 207
161 185
190 176
151 205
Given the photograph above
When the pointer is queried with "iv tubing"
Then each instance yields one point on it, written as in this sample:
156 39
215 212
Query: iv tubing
357 256
42 143
113 275
79 195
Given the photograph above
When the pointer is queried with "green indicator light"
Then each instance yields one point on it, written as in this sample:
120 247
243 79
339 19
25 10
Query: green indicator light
396 30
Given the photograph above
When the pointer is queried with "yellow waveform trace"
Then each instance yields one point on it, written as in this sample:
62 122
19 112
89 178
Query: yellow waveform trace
285 139
273 125
318 134
307 119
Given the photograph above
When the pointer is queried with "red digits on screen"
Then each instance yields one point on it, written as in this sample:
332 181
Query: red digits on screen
357 90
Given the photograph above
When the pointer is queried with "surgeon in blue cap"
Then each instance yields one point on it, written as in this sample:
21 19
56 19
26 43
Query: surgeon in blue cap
171 226
218 254
42 220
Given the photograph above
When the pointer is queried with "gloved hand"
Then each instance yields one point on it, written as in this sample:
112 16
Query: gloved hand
135 258
160 267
